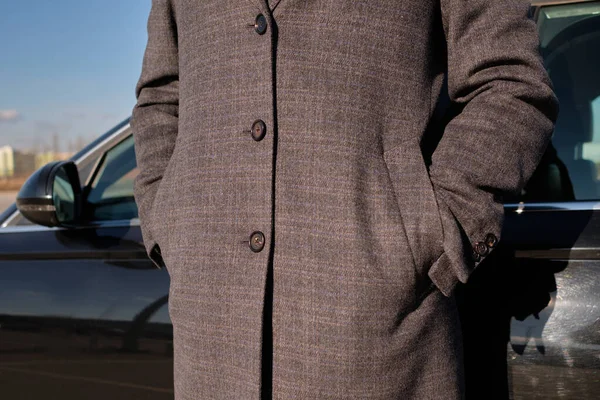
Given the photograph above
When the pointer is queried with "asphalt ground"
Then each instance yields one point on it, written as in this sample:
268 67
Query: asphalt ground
56 365
91 379
135 378
542 382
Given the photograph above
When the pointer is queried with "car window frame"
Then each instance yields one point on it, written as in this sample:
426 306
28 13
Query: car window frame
87 189
575 204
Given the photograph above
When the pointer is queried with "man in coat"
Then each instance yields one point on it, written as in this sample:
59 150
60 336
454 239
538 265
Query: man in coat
312 211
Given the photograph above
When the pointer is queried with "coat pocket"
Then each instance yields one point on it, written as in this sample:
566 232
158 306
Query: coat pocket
159 213
416 202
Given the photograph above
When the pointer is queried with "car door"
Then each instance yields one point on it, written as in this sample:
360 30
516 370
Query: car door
83 311
531 312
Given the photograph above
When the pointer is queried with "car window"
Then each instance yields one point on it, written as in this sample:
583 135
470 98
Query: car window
110 193
570 44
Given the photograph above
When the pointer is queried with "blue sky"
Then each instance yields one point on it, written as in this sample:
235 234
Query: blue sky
67 67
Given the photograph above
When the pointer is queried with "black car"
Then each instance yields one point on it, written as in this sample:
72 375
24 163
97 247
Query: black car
84 312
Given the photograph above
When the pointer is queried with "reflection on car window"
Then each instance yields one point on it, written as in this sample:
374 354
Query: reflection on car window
110 195
570 40
63 197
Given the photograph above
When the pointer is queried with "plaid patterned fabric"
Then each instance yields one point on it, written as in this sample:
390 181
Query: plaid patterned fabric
365 216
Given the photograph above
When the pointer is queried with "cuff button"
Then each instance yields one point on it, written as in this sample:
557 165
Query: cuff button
491 240
481 248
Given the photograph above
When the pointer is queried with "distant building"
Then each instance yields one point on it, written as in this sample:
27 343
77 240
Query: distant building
24 163
7 161
44 158
15 163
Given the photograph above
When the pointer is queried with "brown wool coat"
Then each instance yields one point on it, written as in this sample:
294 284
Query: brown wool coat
361 204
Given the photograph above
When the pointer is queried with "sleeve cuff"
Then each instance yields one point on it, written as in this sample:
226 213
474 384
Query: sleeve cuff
463 252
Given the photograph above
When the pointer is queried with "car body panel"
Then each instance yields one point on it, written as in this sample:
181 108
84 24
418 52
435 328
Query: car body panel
83 306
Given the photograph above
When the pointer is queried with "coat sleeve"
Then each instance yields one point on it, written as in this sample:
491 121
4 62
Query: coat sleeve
492 146
155 116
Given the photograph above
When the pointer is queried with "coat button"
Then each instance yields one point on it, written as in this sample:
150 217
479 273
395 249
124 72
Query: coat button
476 256
491 240
257 241
481 248
260 25
259 130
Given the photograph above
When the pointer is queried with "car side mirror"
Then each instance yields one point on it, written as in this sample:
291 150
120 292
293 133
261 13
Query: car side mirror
51 196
